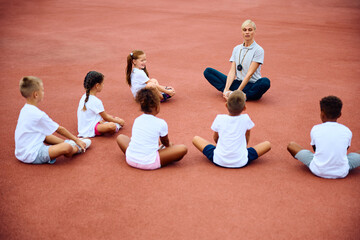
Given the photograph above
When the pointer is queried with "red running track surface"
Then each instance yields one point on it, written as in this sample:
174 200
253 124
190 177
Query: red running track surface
311 51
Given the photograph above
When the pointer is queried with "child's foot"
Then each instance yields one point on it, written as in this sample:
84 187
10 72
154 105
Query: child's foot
170 91
118 126
85 140
165 97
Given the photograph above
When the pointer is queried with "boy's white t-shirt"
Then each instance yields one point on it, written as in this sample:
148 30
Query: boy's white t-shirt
231 148
331 140
88 119
32 127
138 80
144 141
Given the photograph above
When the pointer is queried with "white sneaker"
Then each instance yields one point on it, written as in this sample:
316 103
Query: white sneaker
85 140
118 126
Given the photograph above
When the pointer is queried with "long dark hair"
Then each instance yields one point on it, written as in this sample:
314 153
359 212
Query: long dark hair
91 79
134 55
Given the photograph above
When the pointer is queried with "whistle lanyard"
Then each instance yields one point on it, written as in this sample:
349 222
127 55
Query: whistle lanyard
243 57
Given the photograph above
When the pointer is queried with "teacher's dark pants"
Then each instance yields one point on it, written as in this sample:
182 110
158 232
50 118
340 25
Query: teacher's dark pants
253 91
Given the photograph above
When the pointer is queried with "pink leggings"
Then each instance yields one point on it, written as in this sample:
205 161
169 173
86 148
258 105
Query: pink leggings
151 166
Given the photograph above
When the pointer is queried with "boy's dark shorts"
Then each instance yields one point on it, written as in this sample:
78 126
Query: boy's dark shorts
209 153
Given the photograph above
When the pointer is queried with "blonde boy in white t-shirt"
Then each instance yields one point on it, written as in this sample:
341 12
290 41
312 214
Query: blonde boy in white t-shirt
330 141
232 133
35 127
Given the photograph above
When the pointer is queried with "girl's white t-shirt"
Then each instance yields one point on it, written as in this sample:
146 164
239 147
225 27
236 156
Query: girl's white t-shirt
144 141
231 148
88 119
138 80
31 130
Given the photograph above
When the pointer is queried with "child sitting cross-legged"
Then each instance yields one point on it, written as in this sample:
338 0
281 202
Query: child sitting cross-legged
35 127
231 134
142 150
330 141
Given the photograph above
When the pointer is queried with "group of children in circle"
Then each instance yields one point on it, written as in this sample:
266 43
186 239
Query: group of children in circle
149 146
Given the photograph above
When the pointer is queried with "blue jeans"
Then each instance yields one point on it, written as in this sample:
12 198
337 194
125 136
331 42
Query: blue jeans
253 91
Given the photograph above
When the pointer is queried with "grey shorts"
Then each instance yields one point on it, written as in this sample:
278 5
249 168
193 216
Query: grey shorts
43 156
306 156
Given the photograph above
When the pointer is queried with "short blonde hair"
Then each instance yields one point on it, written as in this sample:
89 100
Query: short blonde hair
236 102
28 85
248 22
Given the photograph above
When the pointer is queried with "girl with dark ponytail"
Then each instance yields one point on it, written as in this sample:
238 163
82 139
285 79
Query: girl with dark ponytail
137 76
92 118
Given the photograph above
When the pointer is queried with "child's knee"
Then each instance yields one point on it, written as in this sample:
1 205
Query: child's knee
290 145
267 144
183 149
67 148
195 139
111 127
151 85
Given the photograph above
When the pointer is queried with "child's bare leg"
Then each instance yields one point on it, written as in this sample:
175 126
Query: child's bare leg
62 149
172 154
160 88
163 89
107 127
262 148
294 148
123 142
151 85
200 143
52 140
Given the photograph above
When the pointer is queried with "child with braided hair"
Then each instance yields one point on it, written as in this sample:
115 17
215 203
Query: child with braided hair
142 150
92 118
137 77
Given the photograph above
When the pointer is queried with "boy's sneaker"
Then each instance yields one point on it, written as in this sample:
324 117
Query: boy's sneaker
118 126
85 140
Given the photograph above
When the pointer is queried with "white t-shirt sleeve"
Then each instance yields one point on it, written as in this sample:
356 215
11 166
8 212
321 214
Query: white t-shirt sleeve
216 124
163 128
96 106
250 123
259 55
233 55
47 125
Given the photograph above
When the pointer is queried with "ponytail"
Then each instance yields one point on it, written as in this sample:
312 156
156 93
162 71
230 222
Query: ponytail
91 79
134 55
128 69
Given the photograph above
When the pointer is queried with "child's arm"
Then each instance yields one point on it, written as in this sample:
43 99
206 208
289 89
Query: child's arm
109 118
165 141
216 136
64 132
247 136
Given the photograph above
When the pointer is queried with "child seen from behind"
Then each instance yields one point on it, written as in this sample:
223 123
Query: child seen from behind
330 141
92 118
142 150
231 135
35 128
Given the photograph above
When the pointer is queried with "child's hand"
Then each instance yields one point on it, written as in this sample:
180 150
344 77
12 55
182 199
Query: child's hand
170 91
81 144
227 94
120 121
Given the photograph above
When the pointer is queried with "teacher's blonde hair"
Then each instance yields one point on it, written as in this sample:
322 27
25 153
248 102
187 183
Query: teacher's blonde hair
248 22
